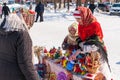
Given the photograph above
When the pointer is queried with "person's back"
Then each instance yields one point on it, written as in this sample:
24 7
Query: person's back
15 51
40 10
39 7
5 10
8 59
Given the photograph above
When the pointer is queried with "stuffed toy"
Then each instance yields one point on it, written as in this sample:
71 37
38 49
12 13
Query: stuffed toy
61 76
52 52
52 76
77 69
63 62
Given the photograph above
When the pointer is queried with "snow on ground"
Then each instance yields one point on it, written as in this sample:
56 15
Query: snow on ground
52 31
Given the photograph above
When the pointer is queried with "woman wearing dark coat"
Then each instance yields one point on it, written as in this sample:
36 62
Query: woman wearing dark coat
15 51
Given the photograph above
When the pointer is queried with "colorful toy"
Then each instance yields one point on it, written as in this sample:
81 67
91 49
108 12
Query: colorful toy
61 76
52 52
45 50
41 69
52 76
70 65
69 76
93 62
58 53
77 69
64 62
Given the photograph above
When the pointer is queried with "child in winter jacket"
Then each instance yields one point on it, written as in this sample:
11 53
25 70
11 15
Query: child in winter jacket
69 44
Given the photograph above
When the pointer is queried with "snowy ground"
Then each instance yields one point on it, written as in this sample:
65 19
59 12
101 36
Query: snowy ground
52 31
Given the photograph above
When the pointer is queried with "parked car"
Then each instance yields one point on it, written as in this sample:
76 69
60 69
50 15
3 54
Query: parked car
11 1
108 4
115 8
29 2
103 7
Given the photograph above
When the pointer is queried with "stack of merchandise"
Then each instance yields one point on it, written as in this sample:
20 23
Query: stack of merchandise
29 16
86 65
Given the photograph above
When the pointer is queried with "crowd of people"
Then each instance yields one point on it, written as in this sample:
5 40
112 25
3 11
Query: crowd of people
39 9
16 45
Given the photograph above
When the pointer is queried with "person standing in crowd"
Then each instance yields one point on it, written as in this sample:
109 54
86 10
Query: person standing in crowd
40 10
5 10
15 50
90 29
92 6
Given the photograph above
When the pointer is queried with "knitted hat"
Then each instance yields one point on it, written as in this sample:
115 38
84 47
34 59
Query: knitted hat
76 14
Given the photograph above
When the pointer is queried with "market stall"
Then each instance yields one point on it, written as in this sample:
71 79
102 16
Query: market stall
59 67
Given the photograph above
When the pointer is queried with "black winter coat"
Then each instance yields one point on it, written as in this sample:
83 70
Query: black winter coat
92 7
16 56
5 10
39 8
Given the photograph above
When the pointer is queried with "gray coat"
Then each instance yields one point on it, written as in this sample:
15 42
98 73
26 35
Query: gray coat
16 56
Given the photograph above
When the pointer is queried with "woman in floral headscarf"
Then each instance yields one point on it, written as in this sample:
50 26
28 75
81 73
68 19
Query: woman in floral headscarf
88 25
89 30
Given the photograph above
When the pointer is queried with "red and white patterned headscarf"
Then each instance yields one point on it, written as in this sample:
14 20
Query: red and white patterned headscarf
85 14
